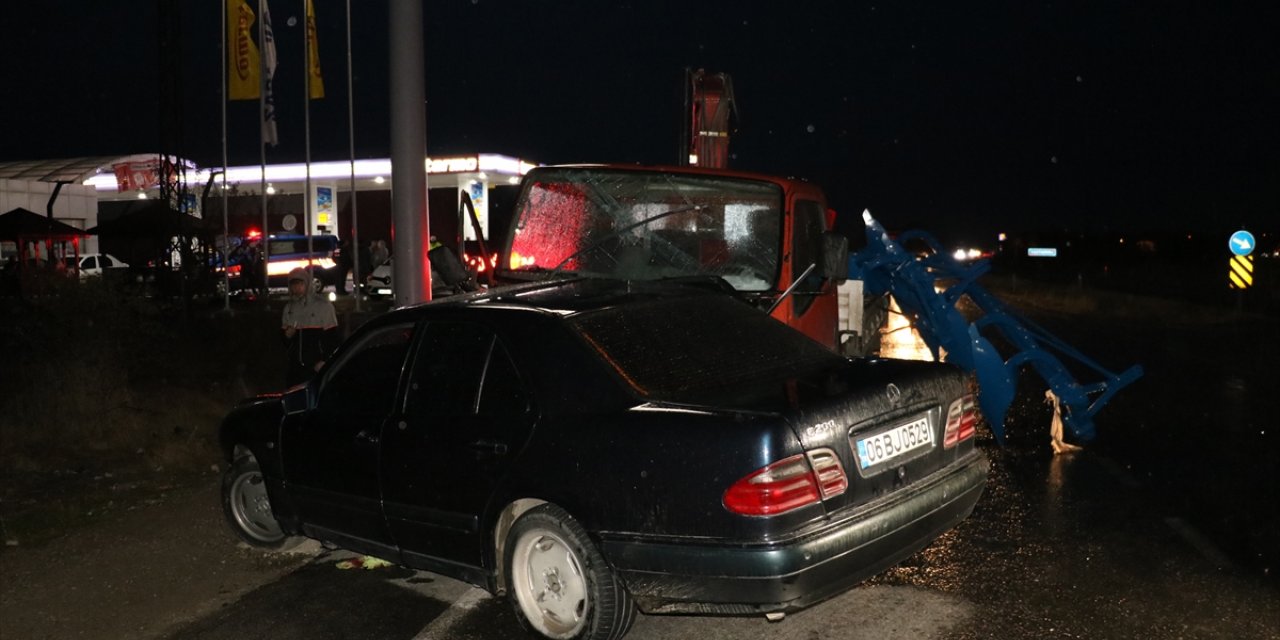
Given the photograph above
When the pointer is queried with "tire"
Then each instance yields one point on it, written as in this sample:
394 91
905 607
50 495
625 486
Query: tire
560 586
248 509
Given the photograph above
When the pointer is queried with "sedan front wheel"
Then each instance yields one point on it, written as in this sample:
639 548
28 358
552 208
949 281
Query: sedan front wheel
248 509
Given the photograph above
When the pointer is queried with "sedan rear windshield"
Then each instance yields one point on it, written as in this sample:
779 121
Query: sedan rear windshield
690 348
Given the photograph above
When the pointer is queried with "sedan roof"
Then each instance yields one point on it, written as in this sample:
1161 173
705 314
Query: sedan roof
683 341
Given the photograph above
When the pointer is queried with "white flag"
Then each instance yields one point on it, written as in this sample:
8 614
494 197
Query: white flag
269 134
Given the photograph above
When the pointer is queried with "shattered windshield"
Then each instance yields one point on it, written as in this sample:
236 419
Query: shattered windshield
646 225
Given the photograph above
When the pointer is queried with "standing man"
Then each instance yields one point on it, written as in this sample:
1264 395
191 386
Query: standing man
251 270
343 268
366 267
310 327
379 252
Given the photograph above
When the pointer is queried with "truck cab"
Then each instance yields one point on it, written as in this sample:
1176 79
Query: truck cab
767 237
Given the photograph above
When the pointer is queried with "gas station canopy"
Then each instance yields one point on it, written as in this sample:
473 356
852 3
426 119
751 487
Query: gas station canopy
370 175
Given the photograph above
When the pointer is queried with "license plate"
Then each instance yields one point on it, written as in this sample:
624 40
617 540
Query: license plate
894 443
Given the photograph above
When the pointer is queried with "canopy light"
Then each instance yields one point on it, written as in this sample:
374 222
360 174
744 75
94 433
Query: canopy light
484 163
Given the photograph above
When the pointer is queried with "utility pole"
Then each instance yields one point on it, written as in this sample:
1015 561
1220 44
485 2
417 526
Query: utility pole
410 230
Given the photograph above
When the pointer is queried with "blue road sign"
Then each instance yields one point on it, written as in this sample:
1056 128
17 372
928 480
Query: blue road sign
1241 243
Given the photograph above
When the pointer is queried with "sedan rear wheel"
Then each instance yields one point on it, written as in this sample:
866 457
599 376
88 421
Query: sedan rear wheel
248 508
560 585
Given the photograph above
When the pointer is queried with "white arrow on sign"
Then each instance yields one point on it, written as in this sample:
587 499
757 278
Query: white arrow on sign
1242 242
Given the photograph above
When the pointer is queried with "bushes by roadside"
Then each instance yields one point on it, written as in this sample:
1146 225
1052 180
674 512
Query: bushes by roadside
92 377
108 398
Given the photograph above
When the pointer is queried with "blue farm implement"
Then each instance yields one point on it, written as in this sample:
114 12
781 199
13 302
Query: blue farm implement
927 288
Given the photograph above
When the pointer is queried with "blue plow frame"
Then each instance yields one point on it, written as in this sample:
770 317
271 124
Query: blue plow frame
885 267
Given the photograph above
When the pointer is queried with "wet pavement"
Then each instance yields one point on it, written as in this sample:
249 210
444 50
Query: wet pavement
1199 431
1072 546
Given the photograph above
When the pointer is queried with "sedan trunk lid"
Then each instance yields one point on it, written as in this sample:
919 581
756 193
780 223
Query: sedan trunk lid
884 421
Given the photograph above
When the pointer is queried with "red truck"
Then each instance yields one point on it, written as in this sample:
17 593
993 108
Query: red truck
768 237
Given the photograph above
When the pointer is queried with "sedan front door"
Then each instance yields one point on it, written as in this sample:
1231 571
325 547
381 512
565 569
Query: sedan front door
330 452
466 416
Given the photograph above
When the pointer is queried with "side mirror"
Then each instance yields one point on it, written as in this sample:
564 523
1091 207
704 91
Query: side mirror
835 256
301 397
446 263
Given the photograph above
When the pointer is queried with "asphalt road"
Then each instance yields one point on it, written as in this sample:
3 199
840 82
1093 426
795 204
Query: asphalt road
1154 531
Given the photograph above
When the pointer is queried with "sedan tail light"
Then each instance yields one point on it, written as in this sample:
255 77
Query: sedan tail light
962 418
786 485
831 478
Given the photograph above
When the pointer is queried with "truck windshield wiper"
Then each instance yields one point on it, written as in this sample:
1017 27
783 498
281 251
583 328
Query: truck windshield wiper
618 232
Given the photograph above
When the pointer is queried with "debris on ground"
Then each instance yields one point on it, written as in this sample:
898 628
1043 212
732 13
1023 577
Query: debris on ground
1055 426
365 562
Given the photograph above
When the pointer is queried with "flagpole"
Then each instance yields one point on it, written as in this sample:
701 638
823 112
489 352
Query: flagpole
262 148
351 145
226 234
309 198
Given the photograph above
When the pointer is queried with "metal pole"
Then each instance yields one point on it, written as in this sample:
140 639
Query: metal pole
226 234
410 231
308 199
264 250
351 143
682 159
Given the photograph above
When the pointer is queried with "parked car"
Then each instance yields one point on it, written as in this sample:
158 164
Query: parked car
591 448
378 285
95 264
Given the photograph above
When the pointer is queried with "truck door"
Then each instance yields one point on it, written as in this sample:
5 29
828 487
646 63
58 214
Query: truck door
811 308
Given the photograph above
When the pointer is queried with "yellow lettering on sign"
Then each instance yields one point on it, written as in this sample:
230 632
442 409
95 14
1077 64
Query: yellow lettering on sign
1241 273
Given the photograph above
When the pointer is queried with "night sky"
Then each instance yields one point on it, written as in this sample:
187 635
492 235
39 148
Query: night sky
961 118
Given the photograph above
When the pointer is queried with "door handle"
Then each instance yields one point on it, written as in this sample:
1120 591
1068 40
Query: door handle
489 446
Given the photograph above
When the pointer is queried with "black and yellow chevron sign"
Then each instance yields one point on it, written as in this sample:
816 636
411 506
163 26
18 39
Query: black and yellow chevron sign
1241 272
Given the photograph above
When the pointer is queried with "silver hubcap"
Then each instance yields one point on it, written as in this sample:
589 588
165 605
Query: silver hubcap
252 509
549 584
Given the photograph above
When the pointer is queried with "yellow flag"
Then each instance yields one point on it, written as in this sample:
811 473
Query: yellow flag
243 63
313 44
